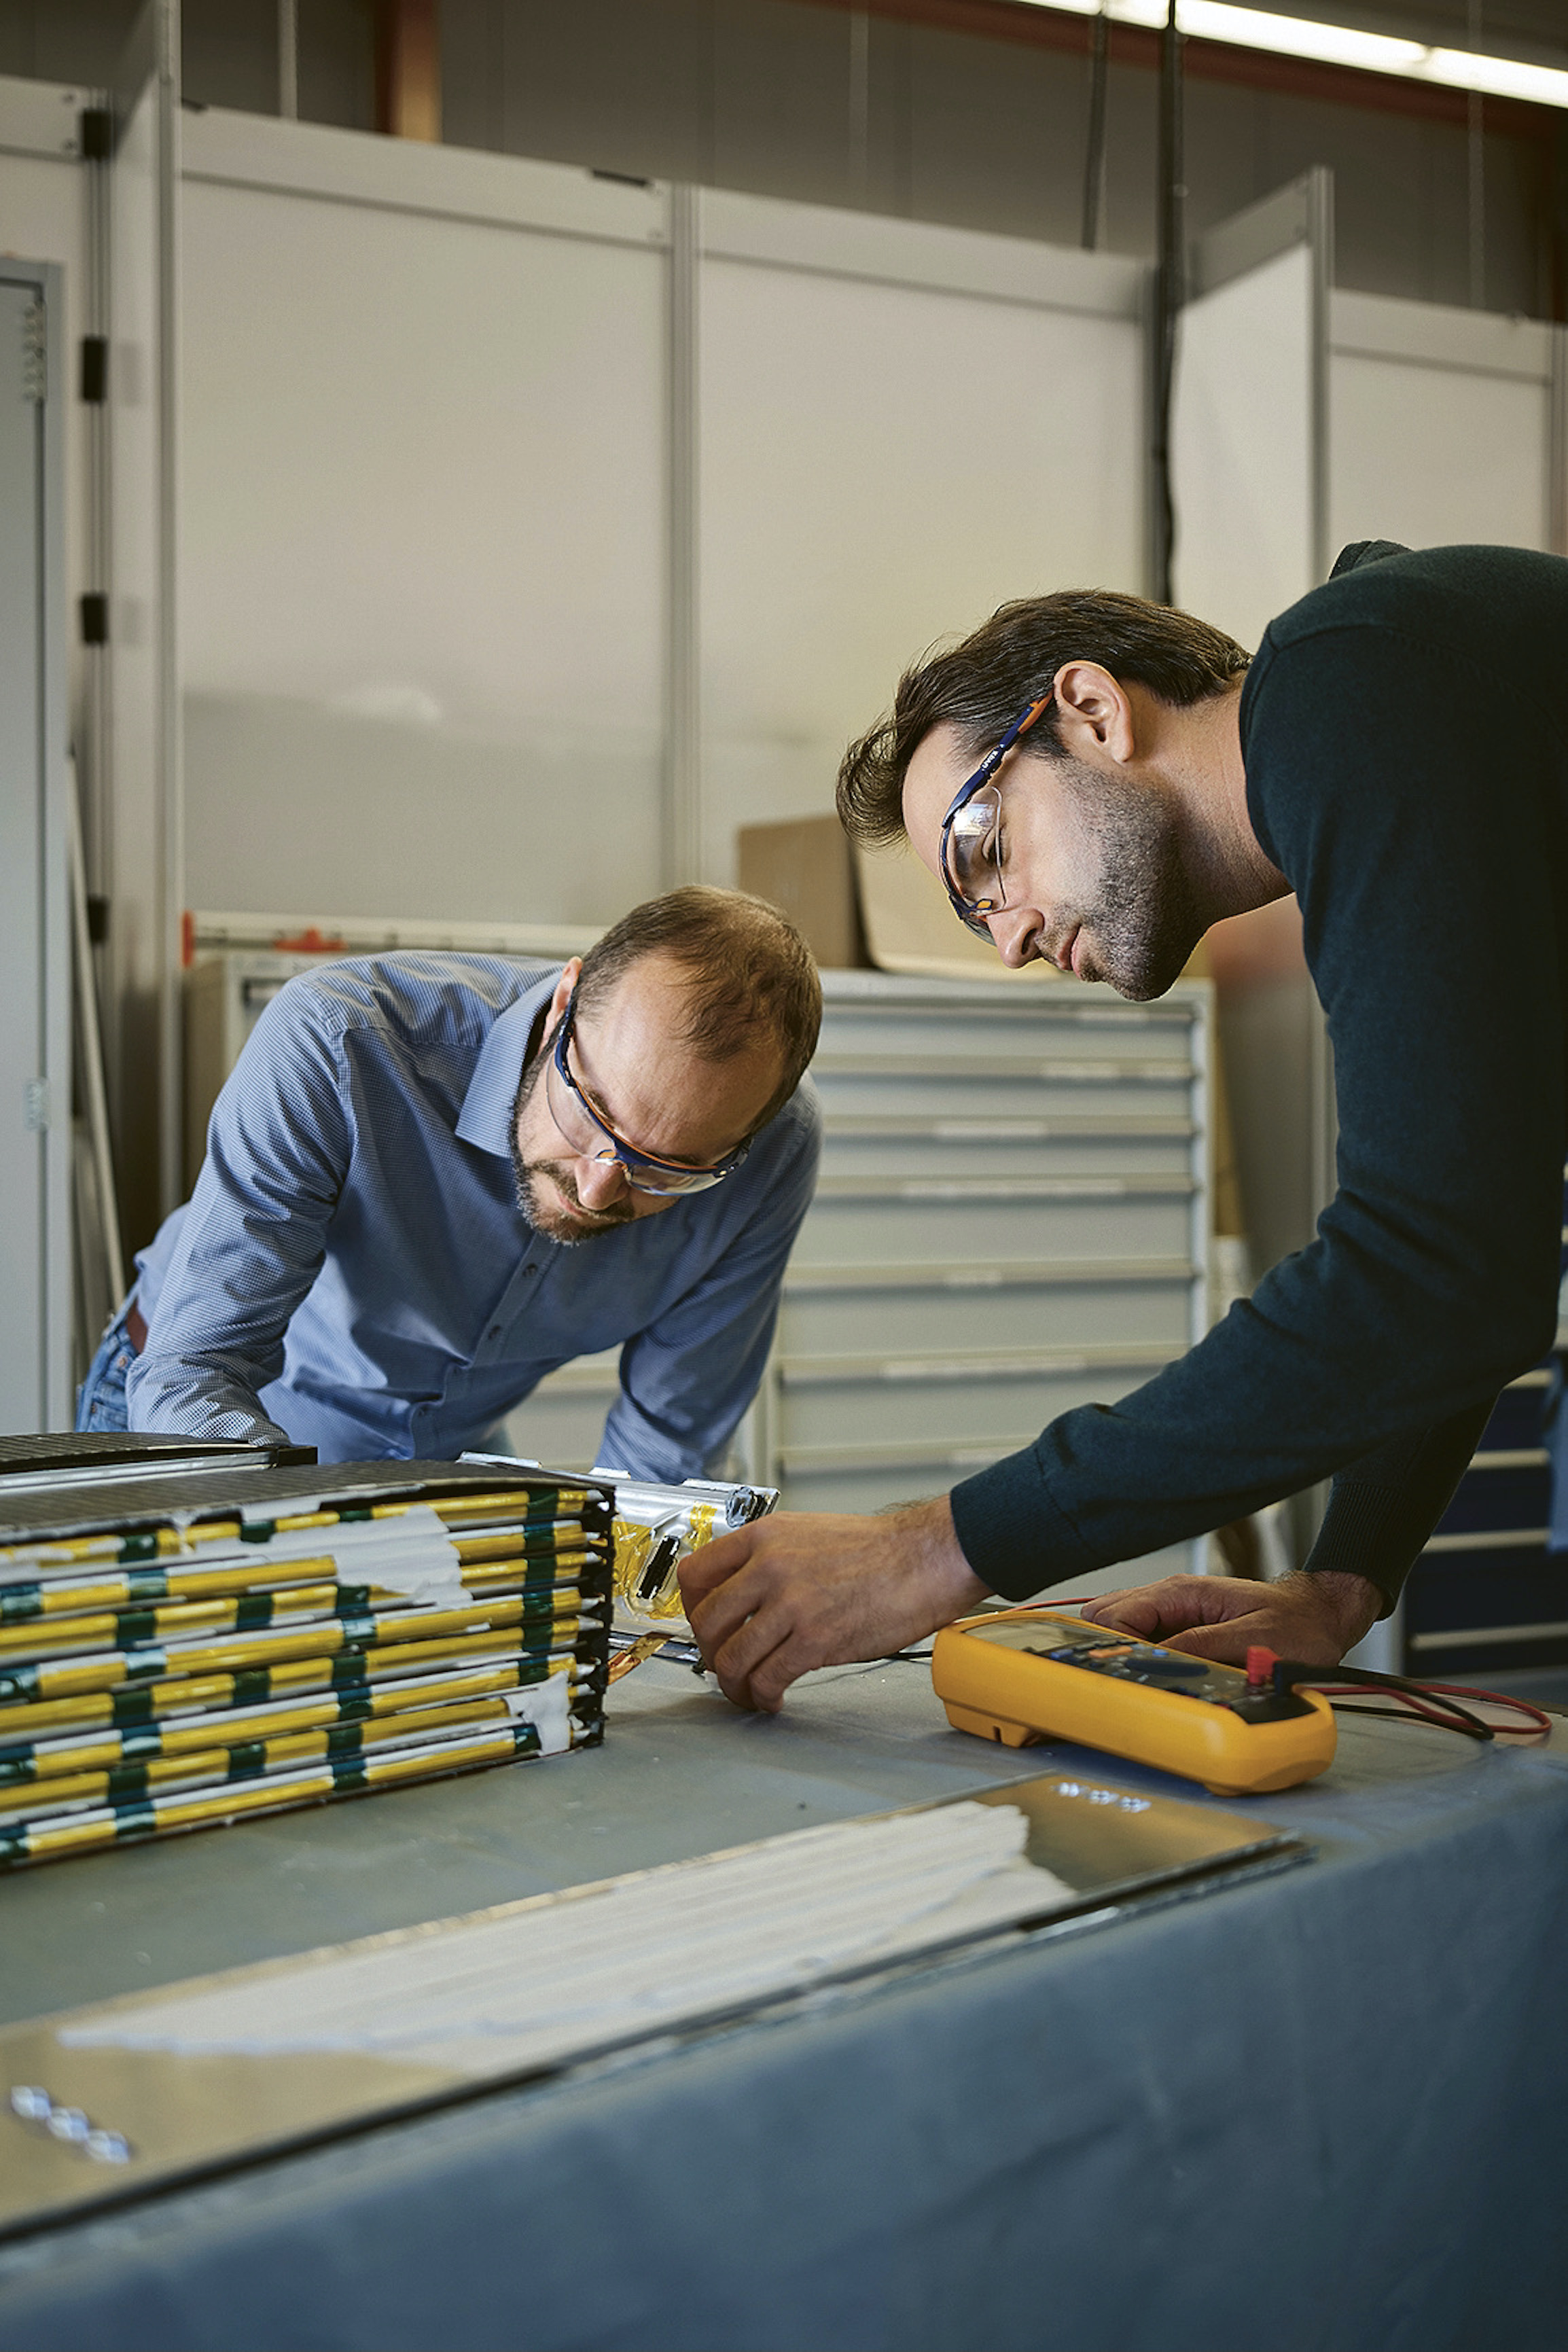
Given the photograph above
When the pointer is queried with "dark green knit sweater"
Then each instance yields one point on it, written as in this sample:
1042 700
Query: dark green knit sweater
1405 734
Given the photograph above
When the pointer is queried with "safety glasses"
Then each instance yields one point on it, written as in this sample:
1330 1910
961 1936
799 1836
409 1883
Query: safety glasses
972 833
591 1136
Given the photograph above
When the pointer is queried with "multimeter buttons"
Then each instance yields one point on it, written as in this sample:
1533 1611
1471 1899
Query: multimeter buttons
1165 1665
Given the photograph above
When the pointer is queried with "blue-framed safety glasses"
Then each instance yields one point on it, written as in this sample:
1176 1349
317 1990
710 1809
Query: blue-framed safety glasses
971 831
591 1137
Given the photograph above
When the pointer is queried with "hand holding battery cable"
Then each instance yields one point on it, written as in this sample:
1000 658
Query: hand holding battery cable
768 1602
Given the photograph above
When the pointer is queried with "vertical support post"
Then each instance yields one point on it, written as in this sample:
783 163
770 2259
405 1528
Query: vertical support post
1094 145
1320 209
1476 170
1557 456
171 711
683 716
859 124
1202 1017
145 814
289 59
95 737
1170 293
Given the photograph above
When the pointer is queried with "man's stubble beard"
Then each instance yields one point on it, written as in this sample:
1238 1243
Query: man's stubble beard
1144 920
539 1212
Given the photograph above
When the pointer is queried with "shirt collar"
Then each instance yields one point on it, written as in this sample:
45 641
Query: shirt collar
487 1107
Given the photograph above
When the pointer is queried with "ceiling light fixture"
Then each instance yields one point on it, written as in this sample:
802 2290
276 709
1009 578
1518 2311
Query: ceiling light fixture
1338 44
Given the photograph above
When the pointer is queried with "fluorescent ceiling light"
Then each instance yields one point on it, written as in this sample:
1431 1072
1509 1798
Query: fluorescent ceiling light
1338 44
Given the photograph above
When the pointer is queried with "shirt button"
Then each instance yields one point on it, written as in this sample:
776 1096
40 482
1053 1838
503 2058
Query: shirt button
529 1270
494 1331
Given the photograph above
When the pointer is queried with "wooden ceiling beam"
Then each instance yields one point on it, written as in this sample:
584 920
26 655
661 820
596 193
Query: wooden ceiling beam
407 35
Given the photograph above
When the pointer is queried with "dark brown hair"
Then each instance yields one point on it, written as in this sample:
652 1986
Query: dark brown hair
983 684
746 969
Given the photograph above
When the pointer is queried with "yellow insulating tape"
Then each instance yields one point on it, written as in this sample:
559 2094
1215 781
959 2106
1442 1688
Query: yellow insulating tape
633 1545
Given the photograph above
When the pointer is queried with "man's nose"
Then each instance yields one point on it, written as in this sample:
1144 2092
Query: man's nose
600 1181
1015 931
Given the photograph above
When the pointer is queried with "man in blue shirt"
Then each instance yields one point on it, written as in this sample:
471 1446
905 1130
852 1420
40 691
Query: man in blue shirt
432 1179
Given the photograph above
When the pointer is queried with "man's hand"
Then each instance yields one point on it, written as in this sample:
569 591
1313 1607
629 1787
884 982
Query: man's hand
775 1599
1314 1618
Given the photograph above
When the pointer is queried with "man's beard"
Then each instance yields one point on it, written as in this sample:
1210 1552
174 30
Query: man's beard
1144 920
541 1212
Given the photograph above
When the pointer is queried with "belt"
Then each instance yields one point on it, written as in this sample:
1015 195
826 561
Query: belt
135 1327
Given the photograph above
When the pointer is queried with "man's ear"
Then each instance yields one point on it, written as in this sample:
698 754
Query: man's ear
561 998
1095 711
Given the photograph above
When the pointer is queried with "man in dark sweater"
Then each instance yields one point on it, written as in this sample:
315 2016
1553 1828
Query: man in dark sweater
1397 755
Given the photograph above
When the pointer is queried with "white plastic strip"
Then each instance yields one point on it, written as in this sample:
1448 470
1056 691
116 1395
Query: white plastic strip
545 1980
412 1555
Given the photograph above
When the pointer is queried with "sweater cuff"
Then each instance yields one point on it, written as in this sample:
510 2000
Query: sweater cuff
1012 1535
1356 1531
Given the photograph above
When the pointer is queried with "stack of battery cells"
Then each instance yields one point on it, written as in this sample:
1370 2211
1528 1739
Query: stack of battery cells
180 1648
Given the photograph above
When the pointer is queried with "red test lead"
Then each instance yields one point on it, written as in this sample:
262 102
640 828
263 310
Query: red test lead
1260 1665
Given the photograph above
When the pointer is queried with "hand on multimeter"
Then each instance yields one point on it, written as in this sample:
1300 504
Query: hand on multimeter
1313 1615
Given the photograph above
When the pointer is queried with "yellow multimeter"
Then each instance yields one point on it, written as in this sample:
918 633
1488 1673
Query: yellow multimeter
1022 1675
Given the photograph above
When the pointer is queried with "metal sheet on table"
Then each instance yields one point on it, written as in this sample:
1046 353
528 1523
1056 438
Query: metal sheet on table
185 2116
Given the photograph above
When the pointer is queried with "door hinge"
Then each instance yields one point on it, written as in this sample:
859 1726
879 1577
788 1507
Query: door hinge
35 1106
95 369
34 355
95 618
97 128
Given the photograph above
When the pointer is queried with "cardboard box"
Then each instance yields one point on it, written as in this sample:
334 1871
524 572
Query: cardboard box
805 866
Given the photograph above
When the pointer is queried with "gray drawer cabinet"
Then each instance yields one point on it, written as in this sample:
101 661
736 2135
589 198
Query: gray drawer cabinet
1012 1219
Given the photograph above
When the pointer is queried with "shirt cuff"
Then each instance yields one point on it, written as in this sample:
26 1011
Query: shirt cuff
1012 1534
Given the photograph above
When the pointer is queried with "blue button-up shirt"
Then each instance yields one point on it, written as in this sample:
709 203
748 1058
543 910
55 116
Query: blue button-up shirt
353 1268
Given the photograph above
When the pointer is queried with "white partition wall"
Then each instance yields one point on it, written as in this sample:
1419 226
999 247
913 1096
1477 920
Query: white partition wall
899 427
424 553
1249 466
35 1039
1247 422
524 507
1445 426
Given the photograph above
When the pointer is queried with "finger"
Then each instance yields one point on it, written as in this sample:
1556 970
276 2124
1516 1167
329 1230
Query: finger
1228 1642
1141 1609
716 1620
737 1663
1094 1607
1177 1603
785 1665
711 1564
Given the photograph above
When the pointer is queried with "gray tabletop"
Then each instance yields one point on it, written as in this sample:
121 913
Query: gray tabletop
1324 2109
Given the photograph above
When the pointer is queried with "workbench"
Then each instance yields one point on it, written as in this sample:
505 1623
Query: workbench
1324 2109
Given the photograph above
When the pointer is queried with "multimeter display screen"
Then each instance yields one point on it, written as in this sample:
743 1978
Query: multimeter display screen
1066 1643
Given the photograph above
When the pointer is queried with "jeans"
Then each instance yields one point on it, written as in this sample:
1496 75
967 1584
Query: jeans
100 1399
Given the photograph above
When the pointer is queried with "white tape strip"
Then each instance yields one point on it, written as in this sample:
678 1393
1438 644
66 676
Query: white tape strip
546 1706
412 1556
